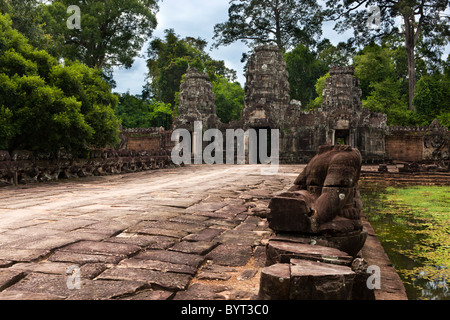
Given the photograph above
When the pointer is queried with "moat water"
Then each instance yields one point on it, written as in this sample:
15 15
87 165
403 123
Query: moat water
415 239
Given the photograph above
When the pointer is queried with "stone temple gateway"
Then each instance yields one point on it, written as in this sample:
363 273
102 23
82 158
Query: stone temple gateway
340 120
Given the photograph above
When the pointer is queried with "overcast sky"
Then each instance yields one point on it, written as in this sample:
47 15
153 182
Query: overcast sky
196 18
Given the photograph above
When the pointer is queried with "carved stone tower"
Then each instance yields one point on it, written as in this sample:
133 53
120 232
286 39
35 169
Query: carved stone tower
197 102
267 89
342 90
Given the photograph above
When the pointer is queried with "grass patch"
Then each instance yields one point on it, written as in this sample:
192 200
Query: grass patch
413 223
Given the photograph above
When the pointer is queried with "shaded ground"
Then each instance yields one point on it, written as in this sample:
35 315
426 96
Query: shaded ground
186 233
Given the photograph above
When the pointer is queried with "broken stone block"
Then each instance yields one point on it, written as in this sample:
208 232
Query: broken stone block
311 280
275 282
284 251
289 214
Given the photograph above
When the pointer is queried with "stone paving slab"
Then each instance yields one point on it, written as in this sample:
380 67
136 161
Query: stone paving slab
144 241
168 280
104 248
231 254
195 247
82 258
147 236
151 295
8 277
208 234
22 255
172 257
158 266
29 296
56 285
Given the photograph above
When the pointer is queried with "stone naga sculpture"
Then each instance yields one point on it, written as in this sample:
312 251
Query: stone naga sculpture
325 196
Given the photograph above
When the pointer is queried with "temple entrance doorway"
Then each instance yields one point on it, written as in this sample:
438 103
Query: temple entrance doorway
342 137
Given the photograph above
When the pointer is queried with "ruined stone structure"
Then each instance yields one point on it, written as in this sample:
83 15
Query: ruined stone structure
145 139
418 143
24 167
197 102
318 233
267 90
340 120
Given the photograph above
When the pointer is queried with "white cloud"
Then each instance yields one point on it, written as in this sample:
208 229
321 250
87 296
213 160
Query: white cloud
196 18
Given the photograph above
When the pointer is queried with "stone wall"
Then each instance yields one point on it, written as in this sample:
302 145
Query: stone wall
23 167
145 139
404 146
416 144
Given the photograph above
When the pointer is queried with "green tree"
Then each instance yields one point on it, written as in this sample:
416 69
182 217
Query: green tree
169 59
283 22
135 112
374 64
320 86
384 85
339 55
386 97
112 32
48 106
424 22
26 16
229 99
304 70
432 97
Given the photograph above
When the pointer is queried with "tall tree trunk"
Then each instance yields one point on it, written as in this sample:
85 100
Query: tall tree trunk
410 46
412 77
278 27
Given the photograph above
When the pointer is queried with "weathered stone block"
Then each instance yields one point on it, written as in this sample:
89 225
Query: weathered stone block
196 247
275 282
312 280
284 251
9 277
287 214
158 266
